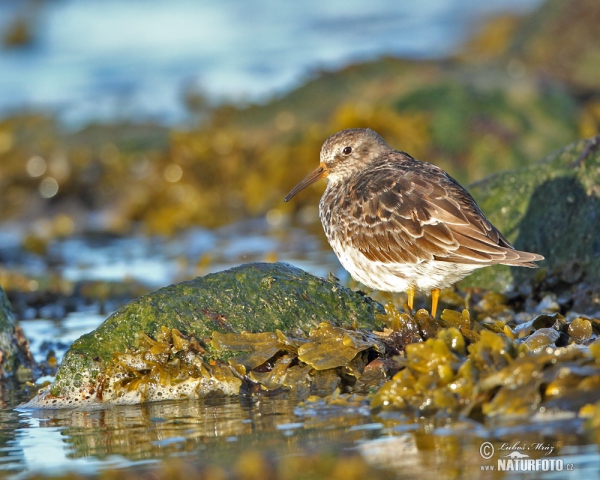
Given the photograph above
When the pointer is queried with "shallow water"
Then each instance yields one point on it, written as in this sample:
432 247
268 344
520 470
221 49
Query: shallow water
218 431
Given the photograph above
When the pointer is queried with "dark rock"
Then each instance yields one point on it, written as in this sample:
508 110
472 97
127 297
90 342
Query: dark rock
551 208
14 347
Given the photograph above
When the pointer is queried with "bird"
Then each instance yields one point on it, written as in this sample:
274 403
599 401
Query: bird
398 224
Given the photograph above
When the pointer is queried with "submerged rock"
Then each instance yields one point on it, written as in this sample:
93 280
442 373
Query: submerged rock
163 341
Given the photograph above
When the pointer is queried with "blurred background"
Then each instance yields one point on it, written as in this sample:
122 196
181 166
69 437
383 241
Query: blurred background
147 142
107 60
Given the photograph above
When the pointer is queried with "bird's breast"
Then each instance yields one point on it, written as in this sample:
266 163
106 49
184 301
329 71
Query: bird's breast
335 210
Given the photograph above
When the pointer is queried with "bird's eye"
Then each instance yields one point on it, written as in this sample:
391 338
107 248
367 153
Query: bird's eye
347 150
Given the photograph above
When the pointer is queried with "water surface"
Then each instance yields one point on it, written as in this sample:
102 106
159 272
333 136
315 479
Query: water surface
108 59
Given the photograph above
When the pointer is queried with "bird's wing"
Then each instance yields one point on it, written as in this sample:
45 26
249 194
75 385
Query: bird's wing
400 215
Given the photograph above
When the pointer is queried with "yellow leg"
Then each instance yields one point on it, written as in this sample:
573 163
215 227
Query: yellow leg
435 296
410 291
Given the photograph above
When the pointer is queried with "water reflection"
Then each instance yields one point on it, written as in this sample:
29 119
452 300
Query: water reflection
210 428
217 431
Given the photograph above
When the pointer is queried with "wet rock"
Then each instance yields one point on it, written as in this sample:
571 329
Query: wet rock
15 356
549 304
549 208
496 375
586 298
154 337
542 338
580 329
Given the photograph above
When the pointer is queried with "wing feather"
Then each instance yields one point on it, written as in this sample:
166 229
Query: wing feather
410 212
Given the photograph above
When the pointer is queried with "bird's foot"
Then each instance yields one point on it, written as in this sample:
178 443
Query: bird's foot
435 297
410 300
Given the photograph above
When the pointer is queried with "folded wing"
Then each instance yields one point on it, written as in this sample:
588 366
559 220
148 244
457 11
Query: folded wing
401 215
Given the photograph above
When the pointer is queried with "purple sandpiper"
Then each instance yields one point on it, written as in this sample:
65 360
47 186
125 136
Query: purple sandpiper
401 225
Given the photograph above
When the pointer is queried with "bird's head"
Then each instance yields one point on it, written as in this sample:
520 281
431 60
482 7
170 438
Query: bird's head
343 154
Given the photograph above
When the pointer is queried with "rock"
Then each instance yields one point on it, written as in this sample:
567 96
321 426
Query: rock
14 347
256 297
551 208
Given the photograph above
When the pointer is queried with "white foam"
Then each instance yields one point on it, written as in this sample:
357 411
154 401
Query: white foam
86 397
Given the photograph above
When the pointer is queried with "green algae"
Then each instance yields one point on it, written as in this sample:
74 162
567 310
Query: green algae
548 208
253 297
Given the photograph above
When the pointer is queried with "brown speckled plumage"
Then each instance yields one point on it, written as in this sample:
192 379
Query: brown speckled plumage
397 223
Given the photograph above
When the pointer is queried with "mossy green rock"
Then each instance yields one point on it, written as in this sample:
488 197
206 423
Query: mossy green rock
7 345
254 297
551 208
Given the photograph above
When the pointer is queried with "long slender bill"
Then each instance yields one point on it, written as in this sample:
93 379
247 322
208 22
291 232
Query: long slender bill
318 173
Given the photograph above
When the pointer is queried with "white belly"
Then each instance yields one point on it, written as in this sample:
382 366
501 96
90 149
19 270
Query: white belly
397 277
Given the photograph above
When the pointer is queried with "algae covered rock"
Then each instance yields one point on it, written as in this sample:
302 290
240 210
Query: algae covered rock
14 347
481 370
551 208
6 333
162 341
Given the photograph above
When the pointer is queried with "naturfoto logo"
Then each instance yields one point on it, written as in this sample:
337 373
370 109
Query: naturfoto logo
514 459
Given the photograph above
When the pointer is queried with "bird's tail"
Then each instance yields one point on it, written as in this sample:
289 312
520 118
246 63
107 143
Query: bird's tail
517 258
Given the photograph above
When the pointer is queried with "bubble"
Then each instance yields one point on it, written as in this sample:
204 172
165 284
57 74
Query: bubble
36 166
48 187
274 217
64 225
173 173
